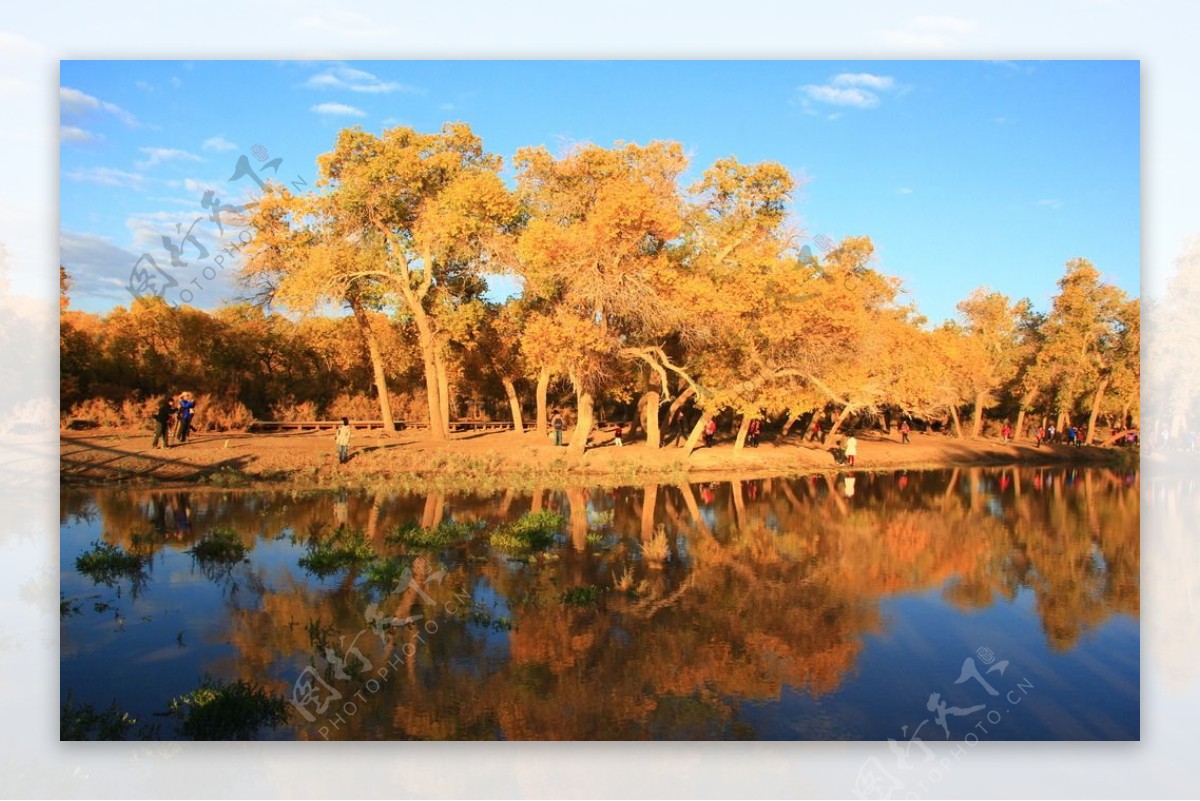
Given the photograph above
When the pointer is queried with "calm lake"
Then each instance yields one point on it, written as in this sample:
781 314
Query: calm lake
1002 602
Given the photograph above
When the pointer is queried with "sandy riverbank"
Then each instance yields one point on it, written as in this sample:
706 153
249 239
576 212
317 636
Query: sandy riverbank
502 458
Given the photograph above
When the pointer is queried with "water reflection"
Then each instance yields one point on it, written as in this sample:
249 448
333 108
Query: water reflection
718 611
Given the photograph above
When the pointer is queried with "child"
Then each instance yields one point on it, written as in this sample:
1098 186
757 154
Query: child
851 449
617 437
342 438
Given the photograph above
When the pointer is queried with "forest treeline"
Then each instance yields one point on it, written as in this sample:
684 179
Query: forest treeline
642 300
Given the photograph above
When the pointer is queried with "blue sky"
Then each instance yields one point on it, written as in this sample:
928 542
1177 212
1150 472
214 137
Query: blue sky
964 173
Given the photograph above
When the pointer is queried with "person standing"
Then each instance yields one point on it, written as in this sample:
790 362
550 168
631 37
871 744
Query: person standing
851 449
754 432
710 432
617 441
342 438
558 425
187 407
162 423
904 432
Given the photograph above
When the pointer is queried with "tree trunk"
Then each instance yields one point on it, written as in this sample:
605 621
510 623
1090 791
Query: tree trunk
443 391
977 422
435 507
697 431
543 386
1025 401
675 409
1096 401
653 436
740 442
583 424
791 421
514 405
372 342
837 424
649 499
577 498
957 423
437 429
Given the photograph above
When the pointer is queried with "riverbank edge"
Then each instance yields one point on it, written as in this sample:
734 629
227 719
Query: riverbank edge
472 475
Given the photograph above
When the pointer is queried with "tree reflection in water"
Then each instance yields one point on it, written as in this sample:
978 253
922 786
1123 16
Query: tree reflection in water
769 585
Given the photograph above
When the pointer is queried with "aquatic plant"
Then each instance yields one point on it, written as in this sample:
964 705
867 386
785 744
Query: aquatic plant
67 606
236 711
657 549
625 582
419 538
581 596
83 722
530 532
220 545
106 564
344 548
384 574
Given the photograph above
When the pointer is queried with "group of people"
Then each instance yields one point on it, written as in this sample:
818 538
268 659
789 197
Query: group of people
1050 434
173 413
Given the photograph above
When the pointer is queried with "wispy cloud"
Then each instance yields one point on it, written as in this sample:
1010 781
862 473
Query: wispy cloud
98 268
159 155
904 190
1049 203
850 89
76 103
930 32
339 109
354 80
218 143
18 48
70 133
108 176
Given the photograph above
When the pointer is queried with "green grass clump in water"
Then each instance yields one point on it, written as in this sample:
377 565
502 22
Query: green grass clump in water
221 545
418 538
105 564
219 711
384 574
532 532
581 596
345 548
83 722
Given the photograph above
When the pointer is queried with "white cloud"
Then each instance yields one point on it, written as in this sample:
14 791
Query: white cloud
106 176
930 32
850 89
218 143
158 155
904 190
74 102
18 48
10 86
355 80
1049 203
200 187
838 96
69 133
339 109
98 268
880 83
